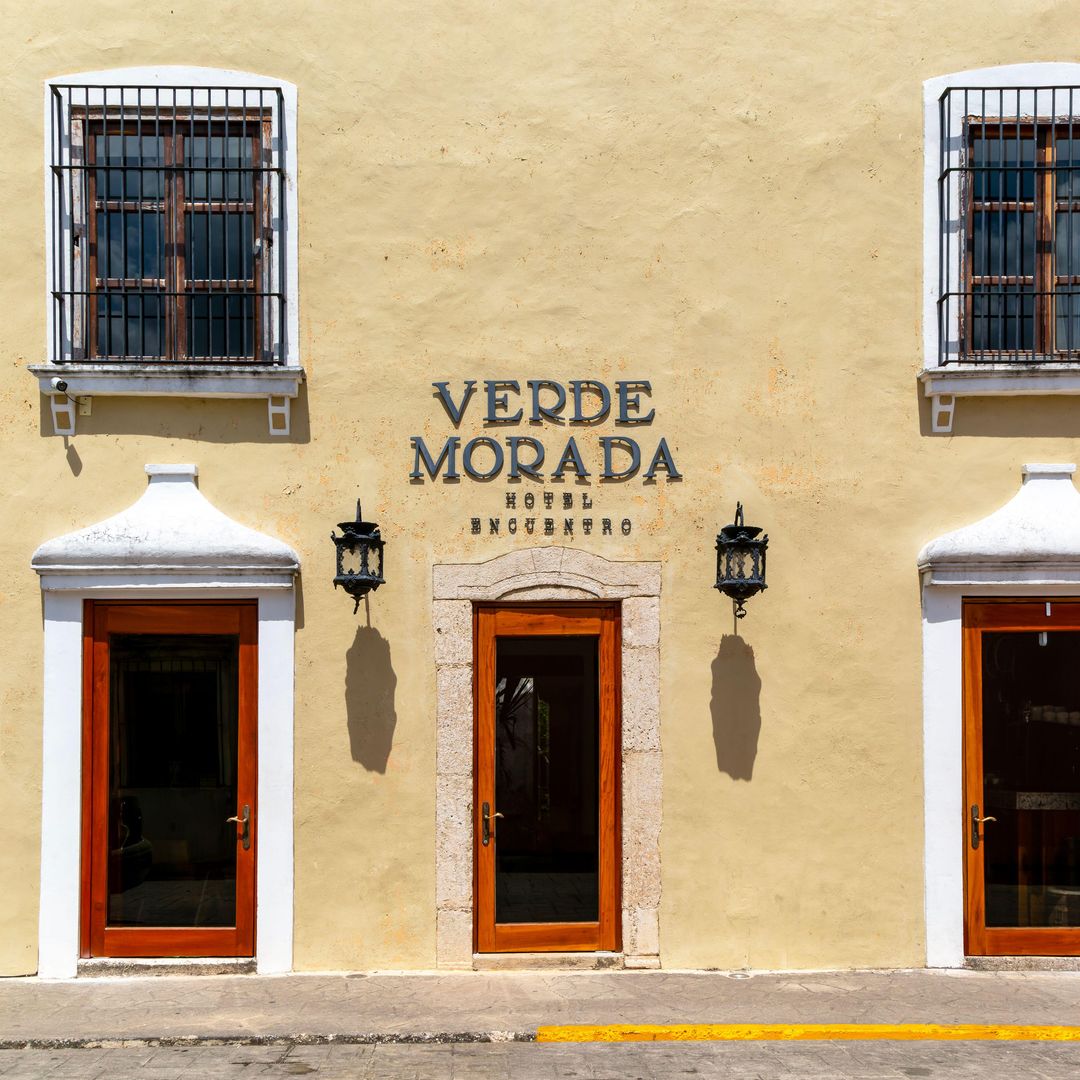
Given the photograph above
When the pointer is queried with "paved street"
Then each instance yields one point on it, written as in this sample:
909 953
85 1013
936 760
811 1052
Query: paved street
473 1004
525 1061
339 1026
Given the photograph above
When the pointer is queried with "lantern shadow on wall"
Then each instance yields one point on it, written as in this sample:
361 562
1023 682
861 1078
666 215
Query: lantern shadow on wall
735 707
370 681
370 699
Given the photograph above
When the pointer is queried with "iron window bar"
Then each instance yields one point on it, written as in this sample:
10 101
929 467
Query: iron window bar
1008 192
166 215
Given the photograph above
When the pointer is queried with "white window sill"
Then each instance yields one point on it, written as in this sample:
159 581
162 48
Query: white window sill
276 383
948 382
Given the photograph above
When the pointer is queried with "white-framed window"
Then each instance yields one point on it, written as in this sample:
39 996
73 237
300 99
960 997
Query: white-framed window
1001 306
171 236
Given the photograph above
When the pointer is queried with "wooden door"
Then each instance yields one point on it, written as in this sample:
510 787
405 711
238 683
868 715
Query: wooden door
547 778
169 771
1022 777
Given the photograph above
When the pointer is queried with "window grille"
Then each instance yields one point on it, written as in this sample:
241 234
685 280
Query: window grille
167 207
1009 204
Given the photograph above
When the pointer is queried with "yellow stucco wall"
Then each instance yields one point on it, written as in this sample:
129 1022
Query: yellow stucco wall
724 199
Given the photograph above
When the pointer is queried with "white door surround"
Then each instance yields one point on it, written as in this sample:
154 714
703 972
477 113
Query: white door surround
548 574
172 544
1030 547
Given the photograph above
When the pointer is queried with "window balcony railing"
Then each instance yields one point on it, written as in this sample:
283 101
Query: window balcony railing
166 225
1009 210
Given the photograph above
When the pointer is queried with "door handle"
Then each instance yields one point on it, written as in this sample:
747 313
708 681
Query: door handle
976 821
245 820
485 823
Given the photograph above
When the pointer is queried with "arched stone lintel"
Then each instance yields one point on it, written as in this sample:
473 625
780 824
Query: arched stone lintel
550 568
540 591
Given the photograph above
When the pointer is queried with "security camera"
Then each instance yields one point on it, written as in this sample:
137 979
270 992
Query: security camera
59 385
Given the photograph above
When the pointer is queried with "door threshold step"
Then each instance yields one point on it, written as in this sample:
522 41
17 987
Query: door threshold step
1022 963
107 966
549 961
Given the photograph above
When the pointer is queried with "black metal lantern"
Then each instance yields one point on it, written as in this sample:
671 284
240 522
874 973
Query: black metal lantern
740 561
359 557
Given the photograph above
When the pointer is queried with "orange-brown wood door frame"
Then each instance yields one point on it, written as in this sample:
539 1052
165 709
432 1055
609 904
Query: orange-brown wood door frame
583 619
979 616
101 620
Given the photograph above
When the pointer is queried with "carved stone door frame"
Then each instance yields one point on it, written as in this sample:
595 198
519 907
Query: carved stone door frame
552 574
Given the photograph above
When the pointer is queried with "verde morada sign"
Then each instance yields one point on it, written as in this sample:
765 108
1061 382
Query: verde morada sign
580 403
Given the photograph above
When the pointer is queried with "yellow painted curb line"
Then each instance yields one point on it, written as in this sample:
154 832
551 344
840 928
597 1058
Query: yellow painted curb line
802 1032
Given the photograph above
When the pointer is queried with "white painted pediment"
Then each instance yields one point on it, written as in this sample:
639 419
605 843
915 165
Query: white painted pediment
172 529
1034 539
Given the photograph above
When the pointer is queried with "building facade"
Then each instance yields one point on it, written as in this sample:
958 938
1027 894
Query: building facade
549 292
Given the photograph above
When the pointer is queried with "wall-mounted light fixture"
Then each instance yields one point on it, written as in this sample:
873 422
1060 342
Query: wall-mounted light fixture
740 561
359 557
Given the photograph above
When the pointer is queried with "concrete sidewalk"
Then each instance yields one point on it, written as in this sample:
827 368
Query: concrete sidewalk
474 1007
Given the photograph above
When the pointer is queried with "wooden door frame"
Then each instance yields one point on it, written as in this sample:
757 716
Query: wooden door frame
1008 614
586 618
235 618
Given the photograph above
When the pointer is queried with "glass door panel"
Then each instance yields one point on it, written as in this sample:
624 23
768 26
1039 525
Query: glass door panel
547 779
172 780
1031 777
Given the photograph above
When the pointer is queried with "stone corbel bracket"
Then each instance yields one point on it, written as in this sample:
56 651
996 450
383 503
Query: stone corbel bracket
278 384
944 384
